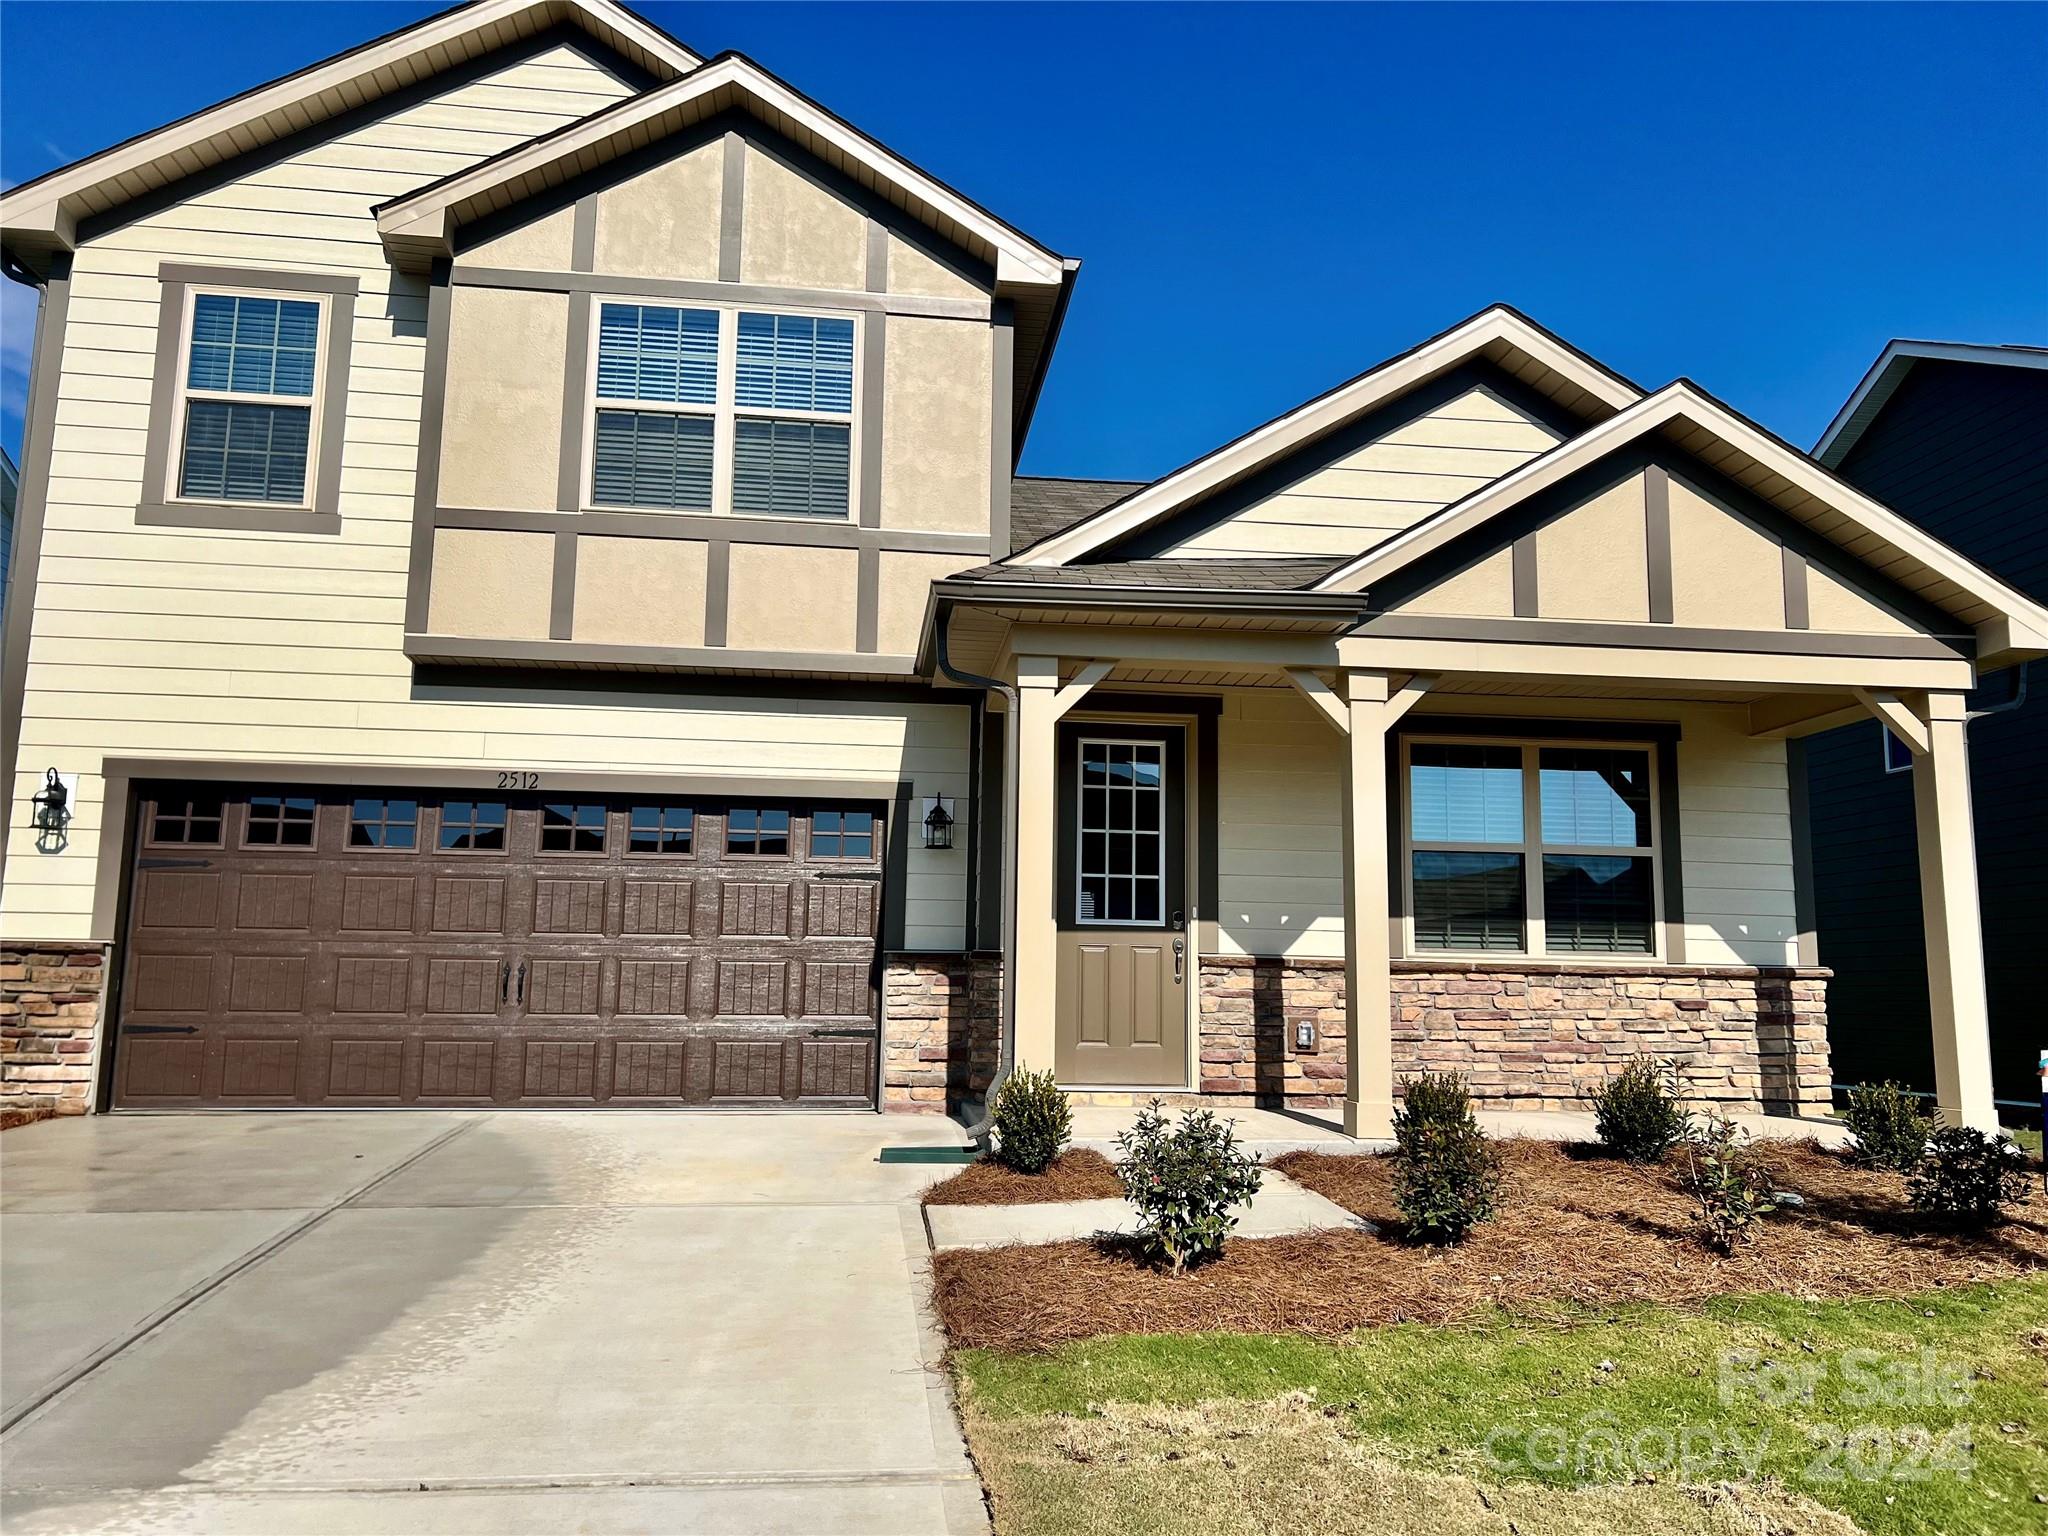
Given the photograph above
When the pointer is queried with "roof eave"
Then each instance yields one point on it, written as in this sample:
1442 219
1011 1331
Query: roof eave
1868 399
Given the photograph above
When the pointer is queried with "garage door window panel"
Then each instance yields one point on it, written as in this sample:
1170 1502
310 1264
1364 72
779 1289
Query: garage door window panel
572 828
757 834
280 821
842 834
387 826
188 821
668 830
471 826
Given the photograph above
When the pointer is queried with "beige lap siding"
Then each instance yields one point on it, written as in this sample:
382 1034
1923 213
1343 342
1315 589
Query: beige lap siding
216 646
1280 813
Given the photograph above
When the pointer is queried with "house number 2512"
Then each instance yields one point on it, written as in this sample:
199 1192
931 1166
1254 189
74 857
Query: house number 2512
518 780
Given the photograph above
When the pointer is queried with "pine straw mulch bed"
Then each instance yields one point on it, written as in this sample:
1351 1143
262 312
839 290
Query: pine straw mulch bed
1574 1231
1076 1174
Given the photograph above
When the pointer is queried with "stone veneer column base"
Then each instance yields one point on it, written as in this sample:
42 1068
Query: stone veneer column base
50 998
940 1017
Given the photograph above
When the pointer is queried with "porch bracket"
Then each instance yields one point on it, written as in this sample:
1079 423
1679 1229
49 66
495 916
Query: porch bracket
1072 693
1900 720
1311 686
1409 694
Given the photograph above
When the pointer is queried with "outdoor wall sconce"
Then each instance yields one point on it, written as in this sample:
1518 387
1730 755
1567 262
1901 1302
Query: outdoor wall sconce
938 823
52 812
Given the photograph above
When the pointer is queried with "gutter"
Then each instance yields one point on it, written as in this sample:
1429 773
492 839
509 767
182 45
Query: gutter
1006 1032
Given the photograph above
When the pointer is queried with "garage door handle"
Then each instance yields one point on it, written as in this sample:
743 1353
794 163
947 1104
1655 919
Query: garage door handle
504 981
159 1029
520 998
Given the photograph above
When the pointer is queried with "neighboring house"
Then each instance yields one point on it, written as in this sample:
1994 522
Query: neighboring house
9 485
523 561
1954 437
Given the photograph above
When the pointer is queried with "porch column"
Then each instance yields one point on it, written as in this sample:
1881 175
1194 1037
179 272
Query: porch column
1368 979
1957 1005
1031 967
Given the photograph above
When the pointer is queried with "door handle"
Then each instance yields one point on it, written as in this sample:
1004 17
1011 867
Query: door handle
1180 959
1178 921
520 998
504 981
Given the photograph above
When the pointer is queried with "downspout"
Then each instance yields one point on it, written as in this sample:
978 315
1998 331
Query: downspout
1006 1032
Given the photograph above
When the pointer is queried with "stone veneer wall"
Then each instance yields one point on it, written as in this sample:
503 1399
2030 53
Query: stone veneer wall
1526 1034
49 1018
940 1016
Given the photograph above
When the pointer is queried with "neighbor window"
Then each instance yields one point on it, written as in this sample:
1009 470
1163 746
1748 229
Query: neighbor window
248 398
716 410
1898 757
1528 849
757 832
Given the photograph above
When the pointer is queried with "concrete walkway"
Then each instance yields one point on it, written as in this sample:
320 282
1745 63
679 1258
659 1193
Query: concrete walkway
1280 1209
519 1322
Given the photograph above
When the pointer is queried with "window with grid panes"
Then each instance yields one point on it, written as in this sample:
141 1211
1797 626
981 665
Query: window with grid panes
572 829
280 821
246 428
1120 869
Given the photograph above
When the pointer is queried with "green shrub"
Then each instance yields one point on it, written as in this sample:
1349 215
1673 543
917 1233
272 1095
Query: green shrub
1636 1116
1032 1121
1722 1174
1966 1178
1446 1176
1186 1182
1889 1126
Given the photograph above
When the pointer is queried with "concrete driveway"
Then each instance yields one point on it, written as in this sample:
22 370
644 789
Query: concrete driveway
422 1322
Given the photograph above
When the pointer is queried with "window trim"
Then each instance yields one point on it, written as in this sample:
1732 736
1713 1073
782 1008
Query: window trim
724 411
1531 850
628 851
1081 745
541 850
319 511
350 848
156 804
283 796
440 805
873 834
759 808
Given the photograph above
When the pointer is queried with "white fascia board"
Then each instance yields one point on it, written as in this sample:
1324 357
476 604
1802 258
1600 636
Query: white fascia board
1890 370
37 209
2021 623
1324 414
424 216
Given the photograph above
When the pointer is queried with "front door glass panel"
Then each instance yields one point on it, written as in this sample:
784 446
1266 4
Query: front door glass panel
1121 857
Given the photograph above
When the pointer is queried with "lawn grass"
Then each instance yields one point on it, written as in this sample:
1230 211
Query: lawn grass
2031 1140
1425 1403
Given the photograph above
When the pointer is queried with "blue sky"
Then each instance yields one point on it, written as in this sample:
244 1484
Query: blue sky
1270 199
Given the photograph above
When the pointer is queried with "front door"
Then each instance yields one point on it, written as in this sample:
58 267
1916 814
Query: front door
1122 905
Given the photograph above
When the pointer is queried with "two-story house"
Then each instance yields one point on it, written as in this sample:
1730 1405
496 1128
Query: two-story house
522 577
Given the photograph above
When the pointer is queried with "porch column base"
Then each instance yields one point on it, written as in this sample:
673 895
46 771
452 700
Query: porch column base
1369 1119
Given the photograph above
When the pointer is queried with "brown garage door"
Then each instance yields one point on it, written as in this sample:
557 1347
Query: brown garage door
296 947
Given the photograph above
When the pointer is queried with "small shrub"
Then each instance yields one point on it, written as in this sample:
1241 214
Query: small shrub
1032 1121
1446 1177
1889 1126
1636 1116
1722 1174
1966 1178
1186 1182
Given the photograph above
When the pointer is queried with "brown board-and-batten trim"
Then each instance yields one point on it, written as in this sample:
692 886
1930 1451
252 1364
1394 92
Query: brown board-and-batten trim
709 291
817 533
39 421
427 477
1797 614
460 649
875 275
562 601
717 591
1657 542
1002 457
732 206
1662 736
158 508
1528 595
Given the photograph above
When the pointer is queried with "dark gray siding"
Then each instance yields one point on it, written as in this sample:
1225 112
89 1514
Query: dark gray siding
1962 449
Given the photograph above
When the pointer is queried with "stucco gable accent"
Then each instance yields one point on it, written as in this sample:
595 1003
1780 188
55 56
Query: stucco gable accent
1499 335
419 227
1897 554
43 216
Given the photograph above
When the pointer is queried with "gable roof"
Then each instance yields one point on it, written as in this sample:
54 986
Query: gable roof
1868 400
1042 505
2009 625
42 216
1499 334
421 223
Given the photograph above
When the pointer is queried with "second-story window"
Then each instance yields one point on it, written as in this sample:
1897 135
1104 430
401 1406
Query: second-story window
248 398
711 410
